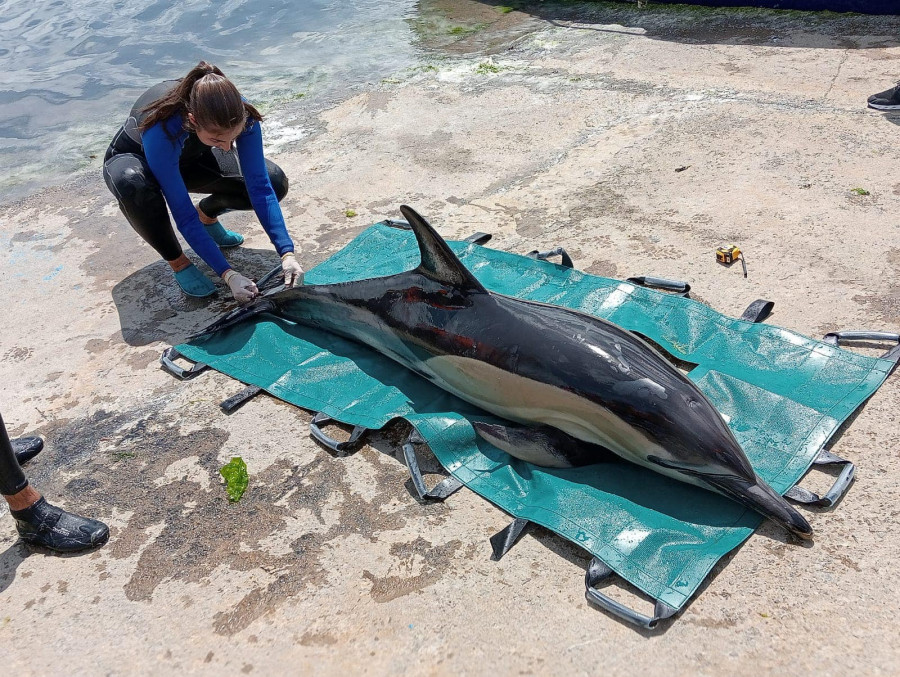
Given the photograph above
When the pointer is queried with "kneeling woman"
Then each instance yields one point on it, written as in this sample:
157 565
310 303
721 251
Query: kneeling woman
165 150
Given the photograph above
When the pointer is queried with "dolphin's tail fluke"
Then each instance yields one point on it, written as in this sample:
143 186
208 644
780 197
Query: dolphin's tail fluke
236 316
760 497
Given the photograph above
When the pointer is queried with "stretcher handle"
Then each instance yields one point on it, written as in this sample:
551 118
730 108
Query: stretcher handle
758 311
239 399
167 360
442 489
669 285
597 573
838 489
565 259
503 541
478 238
835 338
397 223
329 442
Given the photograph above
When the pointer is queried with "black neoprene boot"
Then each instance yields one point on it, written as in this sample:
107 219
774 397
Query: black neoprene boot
26 448
54 528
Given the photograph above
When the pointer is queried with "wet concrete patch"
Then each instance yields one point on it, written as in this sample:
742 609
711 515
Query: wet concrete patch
182 528
434 561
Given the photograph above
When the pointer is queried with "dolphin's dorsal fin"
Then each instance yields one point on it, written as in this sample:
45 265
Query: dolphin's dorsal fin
438 260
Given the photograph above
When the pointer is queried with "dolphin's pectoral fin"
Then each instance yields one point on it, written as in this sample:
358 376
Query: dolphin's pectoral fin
543 446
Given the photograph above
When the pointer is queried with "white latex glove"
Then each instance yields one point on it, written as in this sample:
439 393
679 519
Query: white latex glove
242 288
293 271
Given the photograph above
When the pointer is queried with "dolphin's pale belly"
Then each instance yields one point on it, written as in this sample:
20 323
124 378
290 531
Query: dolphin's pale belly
529 401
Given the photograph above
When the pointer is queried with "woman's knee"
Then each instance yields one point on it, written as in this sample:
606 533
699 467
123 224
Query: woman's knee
278 179
129 178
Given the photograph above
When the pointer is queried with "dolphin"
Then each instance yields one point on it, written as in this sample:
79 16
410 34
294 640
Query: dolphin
581 384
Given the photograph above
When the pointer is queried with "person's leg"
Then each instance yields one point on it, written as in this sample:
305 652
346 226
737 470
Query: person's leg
12 479
227 192
220 176
140 198
37 521
26 448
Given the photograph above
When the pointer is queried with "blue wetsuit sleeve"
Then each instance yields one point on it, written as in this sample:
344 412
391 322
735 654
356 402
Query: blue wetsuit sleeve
163 153
259 187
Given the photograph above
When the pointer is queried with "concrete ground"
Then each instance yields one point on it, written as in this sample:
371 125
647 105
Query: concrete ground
640 140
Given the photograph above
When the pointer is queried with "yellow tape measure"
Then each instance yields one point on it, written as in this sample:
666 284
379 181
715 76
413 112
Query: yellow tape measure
729 254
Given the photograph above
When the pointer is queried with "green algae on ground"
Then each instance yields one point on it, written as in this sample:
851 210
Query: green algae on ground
236 478
486 67
859 191
349 213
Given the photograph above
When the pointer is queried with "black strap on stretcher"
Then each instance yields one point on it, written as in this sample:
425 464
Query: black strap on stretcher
503 541
565 259
833 496
167 360
443 489
677 286
598 572
758 311
239 399
474 238
835 338
340 448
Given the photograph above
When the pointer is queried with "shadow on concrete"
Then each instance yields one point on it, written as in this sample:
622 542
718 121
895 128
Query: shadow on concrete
10 560
695 24
893 116
153 308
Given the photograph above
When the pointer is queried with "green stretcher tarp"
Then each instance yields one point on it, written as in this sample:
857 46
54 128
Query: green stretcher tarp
782 393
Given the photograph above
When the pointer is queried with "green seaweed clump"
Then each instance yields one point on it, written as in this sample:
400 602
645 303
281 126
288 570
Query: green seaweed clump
486 67
236 478
349 213
859 191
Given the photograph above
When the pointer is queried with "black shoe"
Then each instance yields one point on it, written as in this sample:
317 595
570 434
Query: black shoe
886 100
54 528
26 448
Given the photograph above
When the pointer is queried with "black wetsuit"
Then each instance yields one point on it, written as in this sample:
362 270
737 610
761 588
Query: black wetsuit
130 178
12 479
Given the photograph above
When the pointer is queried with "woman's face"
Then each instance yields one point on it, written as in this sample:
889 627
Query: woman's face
217 138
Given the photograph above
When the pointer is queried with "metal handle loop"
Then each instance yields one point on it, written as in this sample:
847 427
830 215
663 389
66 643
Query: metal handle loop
167 360
835 337
397 223
837 490
442 489
565 259
478 238
597 573
758 311
682 288
329 442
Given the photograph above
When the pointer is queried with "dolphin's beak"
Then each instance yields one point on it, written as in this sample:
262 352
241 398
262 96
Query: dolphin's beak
760 497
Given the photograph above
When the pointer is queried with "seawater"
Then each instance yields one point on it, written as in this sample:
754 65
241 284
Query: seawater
71 69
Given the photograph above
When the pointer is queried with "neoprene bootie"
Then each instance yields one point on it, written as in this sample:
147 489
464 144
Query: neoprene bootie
194 283
26 448
54 528
222 237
